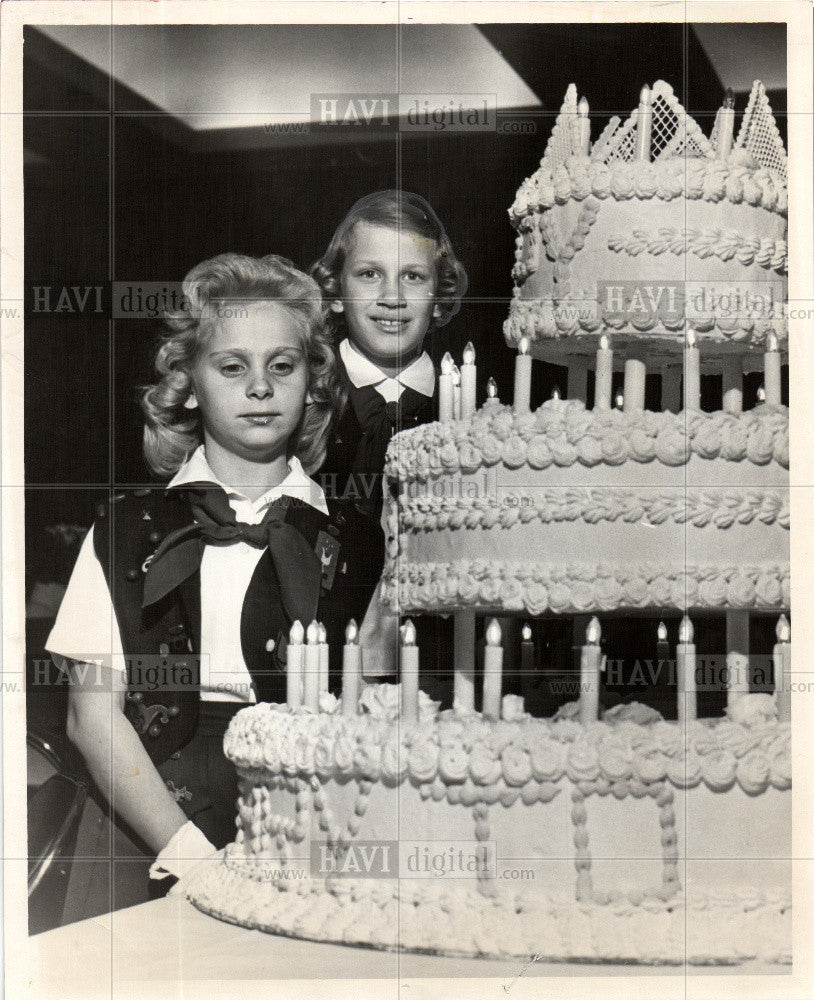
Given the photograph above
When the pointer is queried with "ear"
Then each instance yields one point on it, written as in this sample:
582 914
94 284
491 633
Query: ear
337 306
309 399
191 402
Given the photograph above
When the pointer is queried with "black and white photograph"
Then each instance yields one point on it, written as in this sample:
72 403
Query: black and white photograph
405 550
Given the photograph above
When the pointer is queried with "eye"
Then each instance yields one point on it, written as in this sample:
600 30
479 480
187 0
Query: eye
282 367
231 368
368 274
415 277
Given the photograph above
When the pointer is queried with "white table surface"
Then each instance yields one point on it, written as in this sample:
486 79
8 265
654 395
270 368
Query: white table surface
167 948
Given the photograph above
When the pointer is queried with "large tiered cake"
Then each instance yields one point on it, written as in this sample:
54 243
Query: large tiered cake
626 838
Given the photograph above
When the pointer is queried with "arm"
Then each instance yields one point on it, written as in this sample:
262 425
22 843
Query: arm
118 762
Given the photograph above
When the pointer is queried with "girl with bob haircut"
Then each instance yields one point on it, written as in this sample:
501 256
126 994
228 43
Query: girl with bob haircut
408 212
195 588
390 276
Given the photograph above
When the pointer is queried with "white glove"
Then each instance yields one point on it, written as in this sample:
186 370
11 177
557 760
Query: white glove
185 850
379 639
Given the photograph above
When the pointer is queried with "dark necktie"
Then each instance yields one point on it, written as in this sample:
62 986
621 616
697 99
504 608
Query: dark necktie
379 420
296 564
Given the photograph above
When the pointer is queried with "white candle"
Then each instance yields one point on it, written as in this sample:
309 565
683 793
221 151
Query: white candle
771 371
635 372
522 378
732 377
578 379
589 668
468 378
464 662
737 656
492 671
324 666
491 390
351 670
293 669
584 127
726 125
456 392
685 673
409 674
644 123
692 374
445 388
782 670
604 375
310 684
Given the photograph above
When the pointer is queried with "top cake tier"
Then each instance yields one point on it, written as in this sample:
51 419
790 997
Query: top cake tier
644 244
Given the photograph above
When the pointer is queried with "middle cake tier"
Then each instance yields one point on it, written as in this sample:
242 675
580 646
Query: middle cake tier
571 510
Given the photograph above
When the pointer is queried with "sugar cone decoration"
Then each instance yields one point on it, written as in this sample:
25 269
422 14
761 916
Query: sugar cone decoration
759 135
561 143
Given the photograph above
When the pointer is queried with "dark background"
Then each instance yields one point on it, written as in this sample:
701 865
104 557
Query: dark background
133 195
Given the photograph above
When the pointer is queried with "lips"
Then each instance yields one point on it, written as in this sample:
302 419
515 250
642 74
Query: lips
389 325
258 418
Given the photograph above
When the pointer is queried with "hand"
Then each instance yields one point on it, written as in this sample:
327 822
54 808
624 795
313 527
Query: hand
379 639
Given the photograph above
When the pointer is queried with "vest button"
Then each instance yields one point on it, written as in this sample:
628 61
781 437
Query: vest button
132 575
154 730
155 538
173 711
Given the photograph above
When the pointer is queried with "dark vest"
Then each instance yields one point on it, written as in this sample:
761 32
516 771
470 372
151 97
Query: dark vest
162 642
351 470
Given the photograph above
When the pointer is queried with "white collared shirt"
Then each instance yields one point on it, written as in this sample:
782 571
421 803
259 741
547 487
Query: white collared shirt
418 375
86 626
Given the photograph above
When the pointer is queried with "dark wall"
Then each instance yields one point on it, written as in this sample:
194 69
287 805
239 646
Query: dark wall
132 197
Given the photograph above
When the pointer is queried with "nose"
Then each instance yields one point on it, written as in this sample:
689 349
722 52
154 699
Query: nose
259 385
390 294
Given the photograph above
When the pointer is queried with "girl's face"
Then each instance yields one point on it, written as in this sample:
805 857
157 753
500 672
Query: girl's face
251 381
388 282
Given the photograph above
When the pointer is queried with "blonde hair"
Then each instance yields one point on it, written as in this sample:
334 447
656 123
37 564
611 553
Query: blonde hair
398 210
171 431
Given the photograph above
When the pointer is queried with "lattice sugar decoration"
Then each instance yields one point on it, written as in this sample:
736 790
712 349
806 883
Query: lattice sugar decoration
672 131
563 141
759 136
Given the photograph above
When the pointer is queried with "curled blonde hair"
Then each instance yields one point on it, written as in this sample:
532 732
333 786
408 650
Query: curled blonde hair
172 432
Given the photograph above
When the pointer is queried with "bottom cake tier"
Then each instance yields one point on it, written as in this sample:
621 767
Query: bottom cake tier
630 840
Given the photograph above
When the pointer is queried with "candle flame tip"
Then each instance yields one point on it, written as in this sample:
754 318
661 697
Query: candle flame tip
523 346
446 364
297 633
582 107
662 632
685 630
493 633
526 633
783 629
351 632
644 96
407 631
469 354
594 632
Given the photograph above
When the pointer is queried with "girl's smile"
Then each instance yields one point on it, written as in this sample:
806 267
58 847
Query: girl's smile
388 282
